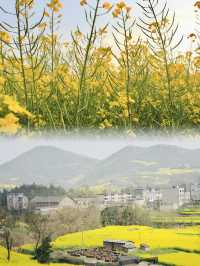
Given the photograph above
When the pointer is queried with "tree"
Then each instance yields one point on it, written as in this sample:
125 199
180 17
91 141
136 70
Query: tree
69 220
127 216
38 227
110 216
3 199
35 190
44 251
124 215
7 225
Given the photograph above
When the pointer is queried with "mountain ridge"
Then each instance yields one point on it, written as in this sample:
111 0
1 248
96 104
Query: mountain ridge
46 163
131 165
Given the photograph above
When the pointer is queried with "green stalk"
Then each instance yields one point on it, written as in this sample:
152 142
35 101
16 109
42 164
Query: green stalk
127 73
165 62
84 69
19 33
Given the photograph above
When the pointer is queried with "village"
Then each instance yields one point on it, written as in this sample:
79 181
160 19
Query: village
106 209
166 198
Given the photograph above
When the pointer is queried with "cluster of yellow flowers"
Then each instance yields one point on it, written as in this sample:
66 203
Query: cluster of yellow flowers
197 5
9 124
55 5
192 37
106 5
14 107
2 81
26 2
153 27
11 112
121 7
5 37
83 2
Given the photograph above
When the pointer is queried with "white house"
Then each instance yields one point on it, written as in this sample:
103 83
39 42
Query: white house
195 192
86 202
174 197
152 195
17 201
117 198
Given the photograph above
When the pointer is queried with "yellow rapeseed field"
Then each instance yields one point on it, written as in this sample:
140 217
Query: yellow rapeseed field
158 239
181 258
20 260
163 243
185 238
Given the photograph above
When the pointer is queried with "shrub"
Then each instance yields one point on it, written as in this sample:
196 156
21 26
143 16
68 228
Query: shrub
44 251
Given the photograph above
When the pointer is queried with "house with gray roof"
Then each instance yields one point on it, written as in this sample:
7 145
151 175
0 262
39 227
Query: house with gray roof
50 203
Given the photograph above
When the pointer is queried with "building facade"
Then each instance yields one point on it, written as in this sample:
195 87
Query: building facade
51 203
195 192
118 198
168 197
174 197
86 202
17 202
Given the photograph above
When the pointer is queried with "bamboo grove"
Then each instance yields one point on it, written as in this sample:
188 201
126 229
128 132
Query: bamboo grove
125 72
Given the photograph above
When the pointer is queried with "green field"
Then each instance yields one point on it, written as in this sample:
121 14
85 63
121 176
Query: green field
192 219
190 211
185 217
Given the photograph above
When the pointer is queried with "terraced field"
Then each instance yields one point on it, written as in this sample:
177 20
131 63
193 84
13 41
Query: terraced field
181 219
190 211
186 216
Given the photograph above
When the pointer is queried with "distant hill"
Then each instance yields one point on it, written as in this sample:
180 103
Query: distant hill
131 166
46 165
159 165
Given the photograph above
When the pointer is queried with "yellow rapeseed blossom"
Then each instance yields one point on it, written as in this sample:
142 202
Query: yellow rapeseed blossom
55 5
2 81
10 114
83 2
105 124
121 7
192 37
9 124
5 37
116 12
14 107
197 4
107 5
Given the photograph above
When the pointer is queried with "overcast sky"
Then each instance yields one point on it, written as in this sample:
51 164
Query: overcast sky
73 14
98 147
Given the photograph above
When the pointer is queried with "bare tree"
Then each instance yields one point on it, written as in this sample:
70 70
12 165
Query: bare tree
7 226
38 227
